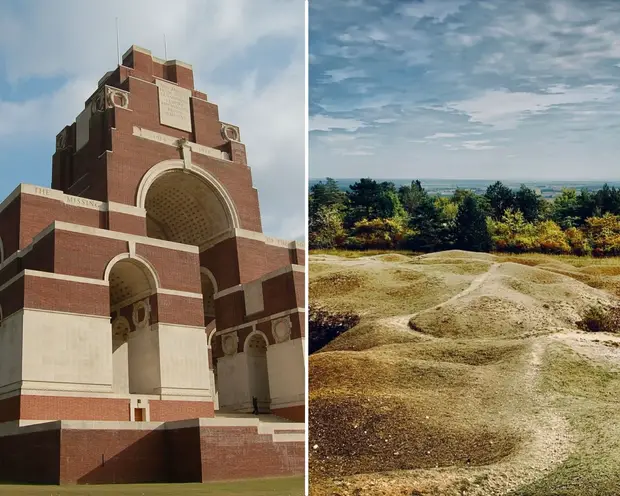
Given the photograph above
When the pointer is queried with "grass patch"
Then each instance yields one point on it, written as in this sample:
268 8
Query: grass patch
283 486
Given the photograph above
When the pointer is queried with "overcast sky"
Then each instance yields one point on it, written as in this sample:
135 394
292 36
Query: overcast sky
522 89
248 56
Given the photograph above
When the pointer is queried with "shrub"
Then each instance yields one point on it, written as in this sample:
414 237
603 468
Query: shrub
551 238
604 234
326 230
377 234
324 326
598 319
578 242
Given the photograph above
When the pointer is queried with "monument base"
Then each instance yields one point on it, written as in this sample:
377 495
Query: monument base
198 450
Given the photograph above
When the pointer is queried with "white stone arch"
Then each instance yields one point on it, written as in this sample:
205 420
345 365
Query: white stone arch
135 355
251 335
210 331
150 270
258 370
209 274
162 168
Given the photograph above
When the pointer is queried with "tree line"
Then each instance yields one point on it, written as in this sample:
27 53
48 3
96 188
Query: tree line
378 215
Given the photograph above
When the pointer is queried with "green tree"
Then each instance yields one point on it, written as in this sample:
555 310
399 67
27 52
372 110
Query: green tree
371 200
432 231
500 199
529 202
326 194
471 226
411 196
565 209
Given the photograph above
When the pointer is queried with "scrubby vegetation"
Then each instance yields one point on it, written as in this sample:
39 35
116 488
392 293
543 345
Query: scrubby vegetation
598 319
325 326
374 215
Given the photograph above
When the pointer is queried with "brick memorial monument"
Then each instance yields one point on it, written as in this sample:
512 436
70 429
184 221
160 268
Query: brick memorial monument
143 313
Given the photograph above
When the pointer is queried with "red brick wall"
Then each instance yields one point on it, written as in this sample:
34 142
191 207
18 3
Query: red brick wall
254 455
172 309
168 410
66 296
12 298
85 255
257 258
221 260
293 413
184 460
71 456
178 270
113 456
31 458
9 227
73 408
127 223
9 409
38 212
230 310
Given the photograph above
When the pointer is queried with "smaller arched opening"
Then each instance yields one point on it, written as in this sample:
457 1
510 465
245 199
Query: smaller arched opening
255 349
211 331
134 348
208 289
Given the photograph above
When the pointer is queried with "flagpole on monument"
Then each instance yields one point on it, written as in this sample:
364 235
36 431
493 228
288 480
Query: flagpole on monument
118 46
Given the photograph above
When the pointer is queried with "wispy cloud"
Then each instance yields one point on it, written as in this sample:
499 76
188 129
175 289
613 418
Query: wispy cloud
457 87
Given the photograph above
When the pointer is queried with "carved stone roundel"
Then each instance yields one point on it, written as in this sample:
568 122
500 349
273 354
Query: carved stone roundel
98 104
141 314
230 342
116 98
230 133
61 140
281 330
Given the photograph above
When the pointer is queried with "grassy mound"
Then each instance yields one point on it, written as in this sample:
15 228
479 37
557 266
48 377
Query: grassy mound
366 434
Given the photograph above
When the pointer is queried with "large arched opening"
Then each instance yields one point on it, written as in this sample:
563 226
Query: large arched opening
135 351
187 205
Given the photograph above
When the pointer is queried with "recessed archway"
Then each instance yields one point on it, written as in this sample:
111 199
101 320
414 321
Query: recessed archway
255 349
134 348
185 204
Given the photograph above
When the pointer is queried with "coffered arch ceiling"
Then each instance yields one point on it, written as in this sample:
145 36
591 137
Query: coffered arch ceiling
129 280
181 207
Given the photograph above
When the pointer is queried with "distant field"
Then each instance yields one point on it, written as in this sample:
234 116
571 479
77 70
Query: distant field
286 486
467 375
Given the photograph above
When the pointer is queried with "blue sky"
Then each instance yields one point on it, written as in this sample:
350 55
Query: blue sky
248 56
460 89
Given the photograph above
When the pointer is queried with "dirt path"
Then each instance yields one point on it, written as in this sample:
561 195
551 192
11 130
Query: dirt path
402 321
548 433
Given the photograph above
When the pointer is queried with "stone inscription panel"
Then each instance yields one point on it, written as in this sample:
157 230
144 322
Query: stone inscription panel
174 108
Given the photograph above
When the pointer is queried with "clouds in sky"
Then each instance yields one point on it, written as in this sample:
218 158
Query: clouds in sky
465 89
248 57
